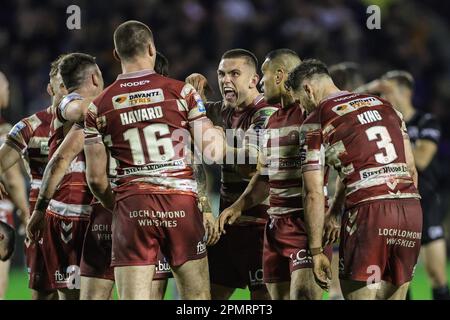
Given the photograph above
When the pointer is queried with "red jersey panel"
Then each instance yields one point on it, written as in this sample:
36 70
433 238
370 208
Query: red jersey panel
72 198
361 136
30 137
144 120
242 128
281 160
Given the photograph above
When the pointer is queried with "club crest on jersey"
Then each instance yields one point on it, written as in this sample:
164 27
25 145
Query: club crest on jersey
138 98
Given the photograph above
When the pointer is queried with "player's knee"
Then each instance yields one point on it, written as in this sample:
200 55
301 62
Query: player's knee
306 292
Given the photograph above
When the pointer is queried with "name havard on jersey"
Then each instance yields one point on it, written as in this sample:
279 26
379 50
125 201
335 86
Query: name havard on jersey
362 137
144 120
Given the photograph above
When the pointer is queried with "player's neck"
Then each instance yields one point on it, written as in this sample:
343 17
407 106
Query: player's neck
286 100
249 101
84 92
327 91
137 65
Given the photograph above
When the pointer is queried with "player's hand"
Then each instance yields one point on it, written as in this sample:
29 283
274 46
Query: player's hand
332 229
228 216
211 227
322 271
35 226
199 82
2 191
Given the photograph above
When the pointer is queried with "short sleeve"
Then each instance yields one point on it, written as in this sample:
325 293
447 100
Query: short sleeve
91 125
311 144
430 129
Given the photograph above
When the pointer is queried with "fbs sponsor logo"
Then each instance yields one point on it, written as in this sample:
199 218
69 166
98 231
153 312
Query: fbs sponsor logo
138 98
201 247
71 277
134 83
162 266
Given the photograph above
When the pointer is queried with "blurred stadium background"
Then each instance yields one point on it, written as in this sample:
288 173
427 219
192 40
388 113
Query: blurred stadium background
194 33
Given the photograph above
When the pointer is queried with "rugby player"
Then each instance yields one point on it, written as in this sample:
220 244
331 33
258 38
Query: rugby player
364 138
65 214
286 261
236 260
146 120
424 131
13 182
28 140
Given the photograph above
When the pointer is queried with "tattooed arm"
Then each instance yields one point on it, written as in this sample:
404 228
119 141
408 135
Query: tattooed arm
208 218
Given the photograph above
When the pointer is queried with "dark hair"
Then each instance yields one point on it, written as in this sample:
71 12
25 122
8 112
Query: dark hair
242 53
281 52
131 39
54 65
161 64
10 236
307 69
346 75
73 69
403 78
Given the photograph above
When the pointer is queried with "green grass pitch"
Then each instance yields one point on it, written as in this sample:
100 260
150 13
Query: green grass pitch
18 290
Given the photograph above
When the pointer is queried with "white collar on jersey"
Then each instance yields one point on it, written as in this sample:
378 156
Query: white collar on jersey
135 74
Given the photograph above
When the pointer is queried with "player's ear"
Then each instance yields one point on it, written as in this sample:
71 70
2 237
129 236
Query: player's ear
50 91
116 55
95 79
151 49
279 75
254 81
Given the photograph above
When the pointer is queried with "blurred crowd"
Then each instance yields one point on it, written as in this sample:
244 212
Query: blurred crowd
194 33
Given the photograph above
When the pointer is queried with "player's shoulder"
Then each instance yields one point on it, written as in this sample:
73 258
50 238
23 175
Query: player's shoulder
44 116
110 90
263 108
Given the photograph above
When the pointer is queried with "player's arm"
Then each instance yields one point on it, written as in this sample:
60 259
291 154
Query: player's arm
333 217
54 172
96 172
314 200
8 157
73 107
410 162
256 192
208 139
200 83
209 222
423 152
426 146
15 185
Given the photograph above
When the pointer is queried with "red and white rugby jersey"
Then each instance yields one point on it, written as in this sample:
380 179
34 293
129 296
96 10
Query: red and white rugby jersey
73 196
6 206
281 160
361 136
30 137
144 120
245 129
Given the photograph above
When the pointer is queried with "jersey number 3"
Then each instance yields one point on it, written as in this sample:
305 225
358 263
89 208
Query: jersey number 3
384 141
